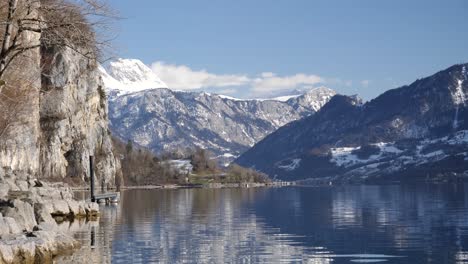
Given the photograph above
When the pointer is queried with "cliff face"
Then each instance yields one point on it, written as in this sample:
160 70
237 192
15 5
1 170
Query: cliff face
53 116
19 102
59 117
73 118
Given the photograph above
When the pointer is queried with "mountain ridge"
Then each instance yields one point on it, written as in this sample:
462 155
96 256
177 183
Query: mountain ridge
429 108
162 119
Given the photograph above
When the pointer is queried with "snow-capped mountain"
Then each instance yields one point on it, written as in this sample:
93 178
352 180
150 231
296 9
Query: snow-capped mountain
164 120
416 131
129 75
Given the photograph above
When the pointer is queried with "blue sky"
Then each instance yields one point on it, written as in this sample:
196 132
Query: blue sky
255 48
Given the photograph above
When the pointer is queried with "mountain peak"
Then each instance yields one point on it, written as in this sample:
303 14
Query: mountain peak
313 99
130 75
342 102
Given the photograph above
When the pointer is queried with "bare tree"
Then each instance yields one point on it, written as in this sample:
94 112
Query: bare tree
15 99
203 161
76 24
8 31
28 25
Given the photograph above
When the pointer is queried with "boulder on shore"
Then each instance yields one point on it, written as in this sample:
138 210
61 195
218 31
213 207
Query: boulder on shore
28 231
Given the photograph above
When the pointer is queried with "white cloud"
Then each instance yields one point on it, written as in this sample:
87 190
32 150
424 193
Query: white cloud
365 83
182 77
272 83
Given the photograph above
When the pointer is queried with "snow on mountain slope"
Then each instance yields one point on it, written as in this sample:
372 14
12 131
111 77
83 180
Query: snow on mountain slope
130 75
164 120
285 98
313 99
416 131
144 110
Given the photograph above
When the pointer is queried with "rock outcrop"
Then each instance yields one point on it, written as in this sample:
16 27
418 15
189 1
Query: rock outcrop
28 232
73 118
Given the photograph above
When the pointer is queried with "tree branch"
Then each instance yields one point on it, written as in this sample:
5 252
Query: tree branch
10 59
8 30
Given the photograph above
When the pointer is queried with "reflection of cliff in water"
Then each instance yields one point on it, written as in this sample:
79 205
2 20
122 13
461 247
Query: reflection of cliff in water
96 237
428 221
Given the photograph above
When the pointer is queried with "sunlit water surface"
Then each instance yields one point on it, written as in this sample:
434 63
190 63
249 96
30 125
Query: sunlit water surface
351 224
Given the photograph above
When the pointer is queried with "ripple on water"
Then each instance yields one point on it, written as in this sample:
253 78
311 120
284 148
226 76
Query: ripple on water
361 224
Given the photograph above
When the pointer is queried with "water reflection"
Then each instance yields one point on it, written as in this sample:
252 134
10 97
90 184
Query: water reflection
396 224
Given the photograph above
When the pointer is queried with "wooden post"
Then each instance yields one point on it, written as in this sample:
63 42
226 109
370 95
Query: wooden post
91 177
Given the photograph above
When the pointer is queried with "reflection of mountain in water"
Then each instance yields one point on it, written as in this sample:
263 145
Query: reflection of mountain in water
423 223
199 226
317 225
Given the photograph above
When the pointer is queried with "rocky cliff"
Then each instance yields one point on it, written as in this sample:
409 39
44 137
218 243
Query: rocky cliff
19 100
53 117
60 117
73 118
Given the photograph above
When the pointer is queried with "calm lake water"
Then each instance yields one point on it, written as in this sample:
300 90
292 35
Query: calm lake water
351 224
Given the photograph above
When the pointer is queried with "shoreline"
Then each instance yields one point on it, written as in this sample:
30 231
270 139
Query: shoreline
320 182
31 214
196 186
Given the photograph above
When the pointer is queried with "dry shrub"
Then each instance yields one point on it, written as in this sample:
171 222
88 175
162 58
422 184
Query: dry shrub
83 25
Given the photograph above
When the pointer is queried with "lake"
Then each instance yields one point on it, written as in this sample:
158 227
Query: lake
423 223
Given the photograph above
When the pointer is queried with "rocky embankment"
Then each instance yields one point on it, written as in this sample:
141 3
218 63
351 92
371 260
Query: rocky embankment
53 117
29 212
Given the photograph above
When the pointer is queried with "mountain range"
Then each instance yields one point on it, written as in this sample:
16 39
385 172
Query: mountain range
144 110
418 131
